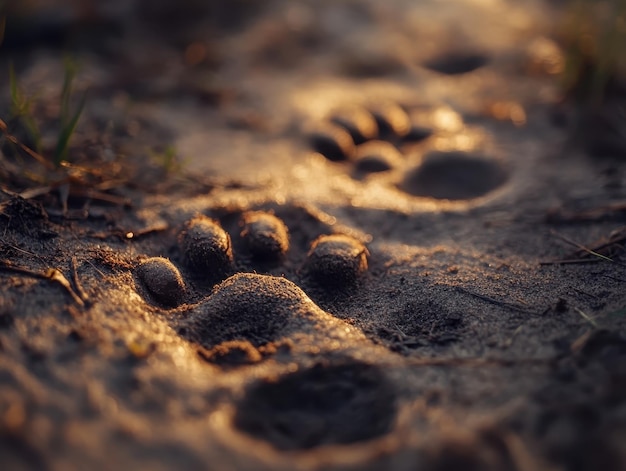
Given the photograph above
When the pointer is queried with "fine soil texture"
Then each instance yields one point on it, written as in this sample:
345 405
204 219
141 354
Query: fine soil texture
307 235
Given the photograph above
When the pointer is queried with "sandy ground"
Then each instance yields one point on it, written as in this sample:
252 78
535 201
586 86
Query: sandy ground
195 315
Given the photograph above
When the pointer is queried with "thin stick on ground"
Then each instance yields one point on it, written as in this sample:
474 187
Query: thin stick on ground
511 306
79 288
51 274
587 317
580 246
38 157
617 237
25 252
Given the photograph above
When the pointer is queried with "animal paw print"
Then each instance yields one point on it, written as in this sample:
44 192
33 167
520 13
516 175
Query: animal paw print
215 255
247 318
221 281
386 139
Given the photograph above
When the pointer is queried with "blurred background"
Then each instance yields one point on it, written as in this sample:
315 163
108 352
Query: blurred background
268 68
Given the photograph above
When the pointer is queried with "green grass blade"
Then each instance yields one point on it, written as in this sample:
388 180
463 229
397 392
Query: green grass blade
60 153
33 130
20 109
68 124
20 105
66 93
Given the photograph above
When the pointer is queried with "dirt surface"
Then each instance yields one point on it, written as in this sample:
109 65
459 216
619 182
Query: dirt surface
233 276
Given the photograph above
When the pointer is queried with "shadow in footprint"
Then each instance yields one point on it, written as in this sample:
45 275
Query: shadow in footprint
454 176
457 63
326 404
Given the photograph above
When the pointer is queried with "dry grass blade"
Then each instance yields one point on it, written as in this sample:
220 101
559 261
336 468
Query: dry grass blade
79 288
616 238
38 157
587 317
580 246
72 188
51 274
35 192
55 275
606 247
507 305
100 196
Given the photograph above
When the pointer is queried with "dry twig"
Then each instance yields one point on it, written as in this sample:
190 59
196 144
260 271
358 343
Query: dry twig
79 288
51 274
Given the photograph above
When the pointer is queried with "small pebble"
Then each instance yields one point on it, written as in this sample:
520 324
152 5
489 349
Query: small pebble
206 247
336 260
332 142
358 122
265 235
162 279
392 120
377 156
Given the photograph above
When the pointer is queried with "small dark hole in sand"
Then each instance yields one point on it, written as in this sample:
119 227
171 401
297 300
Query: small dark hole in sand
322 405
75 336
456 63
454 176
6 320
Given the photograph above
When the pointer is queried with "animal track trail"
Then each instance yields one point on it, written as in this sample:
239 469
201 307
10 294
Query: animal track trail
243 281
244 315
401 146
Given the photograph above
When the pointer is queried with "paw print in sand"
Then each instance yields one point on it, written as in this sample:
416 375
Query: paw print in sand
238 318
255 241
217 261
387 138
